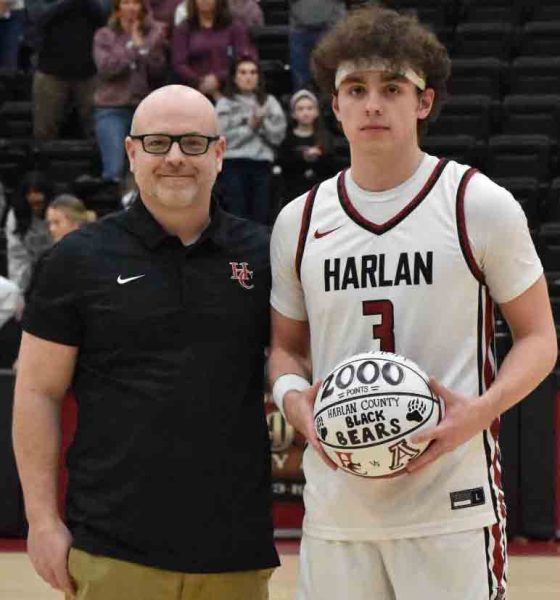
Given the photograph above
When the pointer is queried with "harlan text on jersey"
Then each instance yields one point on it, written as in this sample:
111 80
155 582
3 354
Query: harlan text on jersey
376 270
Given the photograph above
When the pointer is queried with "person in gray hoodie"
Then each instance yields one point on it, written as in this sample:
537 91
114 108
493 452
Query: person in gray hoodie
254 125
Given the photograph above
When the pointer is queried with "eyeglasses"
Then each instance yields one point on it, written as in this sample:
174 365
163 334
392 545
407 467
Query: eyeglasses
191 144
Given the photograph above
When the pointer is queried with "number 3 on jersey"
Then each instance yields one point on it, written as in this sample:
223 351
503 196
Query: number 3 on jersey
383 330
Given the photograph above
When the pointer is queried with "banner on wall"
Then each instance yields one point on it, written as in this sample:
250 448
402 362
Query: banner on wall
286 454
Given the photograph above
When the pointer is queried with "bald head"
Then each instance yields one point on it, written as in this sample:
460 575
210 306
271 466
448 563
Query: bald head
176 180
175 106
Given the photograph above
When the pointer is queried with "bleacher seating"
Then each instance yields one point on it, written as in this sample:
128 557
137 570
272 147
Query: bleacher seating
272 42
535 75
550 204
64 160
502 115
14 161
540 38
481 76
436 13
546 11
490 12
16 119
510 155
535 114
275 11
495 39
462 114
549 247
461 148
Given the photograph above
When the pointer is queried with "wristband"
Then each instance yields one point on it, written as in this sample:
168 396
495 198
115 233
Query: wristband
286 383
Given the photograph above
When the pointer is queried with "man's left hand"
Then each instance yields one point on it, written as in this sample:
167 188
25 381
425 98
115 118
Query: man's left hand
464 418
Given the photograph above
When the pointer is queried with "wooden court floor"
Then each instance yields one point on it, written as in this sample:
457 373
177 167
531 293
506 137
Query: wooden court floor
531 578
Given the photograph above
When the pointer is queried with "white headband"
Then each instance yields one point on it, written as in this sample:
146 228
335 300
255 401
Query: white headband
374 64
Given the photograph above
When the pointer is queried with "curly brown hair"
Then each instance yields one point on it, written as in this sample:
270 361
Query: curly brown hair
398 38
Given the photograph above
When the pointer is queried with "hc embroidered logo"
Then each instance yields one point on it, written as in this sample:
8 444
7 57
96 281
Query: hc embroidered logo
240 272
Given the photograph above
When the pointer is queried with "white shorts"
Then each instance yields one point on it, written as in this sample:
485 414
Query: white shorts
455 566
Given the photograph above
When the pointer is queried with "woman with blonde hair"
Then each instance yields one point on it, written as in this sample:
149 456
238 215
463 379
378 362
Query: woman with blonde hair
65 214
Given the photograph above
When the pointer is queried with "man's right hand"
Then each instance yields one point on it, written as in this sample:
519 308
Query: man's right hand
298 408
48 547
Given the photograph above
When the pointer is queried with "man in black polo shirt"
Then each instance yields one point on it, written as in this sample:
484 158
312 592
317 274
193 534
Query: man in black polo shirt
157 318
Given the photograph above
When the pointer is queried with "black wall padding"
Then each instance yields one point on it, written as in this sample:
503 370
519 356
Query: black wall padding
538 470
11 503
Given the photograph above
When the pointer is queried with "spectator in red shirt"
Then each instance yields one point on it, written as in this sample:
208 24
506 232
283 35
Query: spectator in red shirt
205 45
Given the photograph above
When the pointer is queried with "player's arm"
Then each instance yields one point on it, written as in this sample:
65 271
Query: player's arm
44 374
503 250
289 371
530 359
534 350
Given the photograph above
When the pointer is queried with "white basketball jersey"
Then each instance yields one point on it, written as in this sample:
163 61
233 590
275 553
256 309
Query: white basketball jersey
410 285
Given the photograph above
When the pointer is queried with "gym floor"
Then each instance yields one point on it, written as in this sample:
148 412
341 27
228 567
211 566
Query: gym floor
532 575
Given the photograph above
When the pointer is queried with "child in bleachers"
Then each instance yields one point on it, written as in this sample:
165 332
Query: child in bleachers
305 154
254 125
206 43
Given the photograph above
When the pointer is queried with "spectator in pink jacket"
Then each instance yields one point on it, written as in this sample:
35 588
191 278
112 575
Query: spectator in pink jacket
206 44
130 57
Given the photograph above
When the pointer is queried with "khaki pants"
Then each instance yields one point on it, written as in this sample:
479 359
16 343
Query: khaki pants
103 578
51 98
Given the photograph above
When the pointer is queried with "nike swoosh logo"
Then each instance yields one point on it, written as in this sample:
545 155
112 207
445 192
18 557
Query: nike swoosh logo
319 234
121 280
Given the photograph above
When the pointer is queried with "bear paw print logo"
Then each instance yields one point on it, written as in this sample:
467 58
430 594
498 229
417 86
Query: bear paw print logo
416 408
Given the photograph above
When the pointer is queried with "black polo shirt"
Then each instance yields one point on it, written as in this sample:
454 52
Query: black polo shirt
170 465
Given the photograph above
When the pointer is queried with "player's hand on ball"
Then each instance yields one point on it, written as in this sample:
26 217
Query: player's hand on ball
298 407
48 547
464 418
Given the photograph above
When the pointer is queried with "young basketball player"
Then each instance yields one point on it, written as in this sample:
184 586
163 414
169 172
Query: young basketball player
404 252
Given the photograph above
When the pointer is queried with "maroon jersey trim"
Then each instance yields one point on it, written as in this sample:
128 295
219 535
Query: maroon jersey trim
377 228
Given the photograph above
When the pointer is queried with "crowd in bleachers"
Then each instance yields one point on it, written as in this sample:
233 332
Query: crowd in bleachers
72 72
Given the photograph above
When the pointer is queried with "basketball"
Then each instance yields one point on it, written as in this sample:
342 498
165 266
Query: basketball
367 409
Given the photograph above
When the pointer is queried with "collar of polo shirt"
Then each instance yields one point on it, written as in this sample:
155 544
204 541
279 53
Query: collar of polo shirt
140 221
349 67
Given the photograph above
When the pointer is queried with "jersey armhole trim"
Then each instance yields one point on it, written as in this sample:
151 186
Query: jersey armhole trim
462 227
304 227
